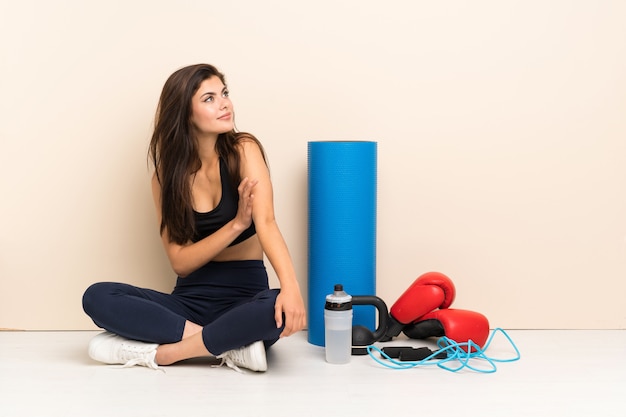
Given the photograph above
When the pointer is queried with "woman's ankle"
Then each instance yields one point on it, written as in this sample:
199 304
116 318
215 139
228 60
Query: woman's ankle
192 347
164 355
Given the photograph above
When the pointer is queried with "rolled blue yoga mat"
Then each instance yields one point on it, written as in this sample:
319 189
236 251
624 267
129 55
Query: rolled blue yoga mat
341 227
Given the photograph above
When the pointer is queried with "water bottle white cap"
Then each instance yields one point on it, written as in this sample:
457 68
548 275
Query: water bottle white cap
339 296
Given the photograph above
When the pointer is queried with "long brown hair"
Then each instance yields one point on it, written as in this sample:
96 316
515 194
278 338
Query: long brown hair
174 149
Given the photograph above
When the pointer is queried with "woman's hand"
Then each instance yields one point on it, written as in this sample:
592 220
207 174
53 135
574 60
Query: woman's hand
243 219
289 302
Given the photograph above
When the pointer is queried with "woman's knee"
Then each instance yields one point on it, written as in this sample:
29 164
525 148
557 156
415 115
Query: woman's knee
268 296
95 296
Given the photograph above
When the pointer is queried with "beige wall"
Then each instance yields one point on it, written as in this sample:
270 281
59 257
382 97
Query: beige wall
501 133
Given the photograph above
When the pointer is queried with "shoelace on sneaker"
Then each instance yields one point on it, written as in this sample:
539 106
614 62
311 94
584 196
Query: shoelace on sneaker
137 355
229 358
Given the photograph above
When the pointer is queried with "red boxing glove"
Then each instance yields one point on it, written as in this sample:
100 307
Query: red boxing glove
458 325
428 292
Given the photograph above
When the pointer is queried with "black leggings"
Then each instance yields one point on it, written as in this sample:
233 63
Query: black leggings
231 300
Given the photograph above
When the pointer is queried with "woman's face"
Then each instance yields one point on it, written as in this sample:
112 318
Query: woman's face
211 109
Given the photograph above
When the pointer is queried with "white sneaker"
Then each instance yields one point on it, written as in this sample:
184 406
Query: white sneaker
113 349
250 357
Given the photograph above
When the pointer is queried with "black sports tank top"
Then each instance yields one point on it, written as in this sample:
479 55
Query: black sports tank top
226 210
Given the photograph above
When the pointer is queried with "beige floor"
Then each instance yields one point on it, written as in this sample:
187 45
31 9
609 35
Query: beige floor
560 373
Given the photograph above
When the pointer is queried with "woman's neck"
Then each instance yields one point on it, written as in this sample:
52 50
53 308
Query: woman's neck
206 149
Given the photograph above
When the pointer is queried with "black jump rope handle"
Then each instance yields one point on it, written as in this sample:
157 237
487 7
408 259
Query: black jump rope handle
408 353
